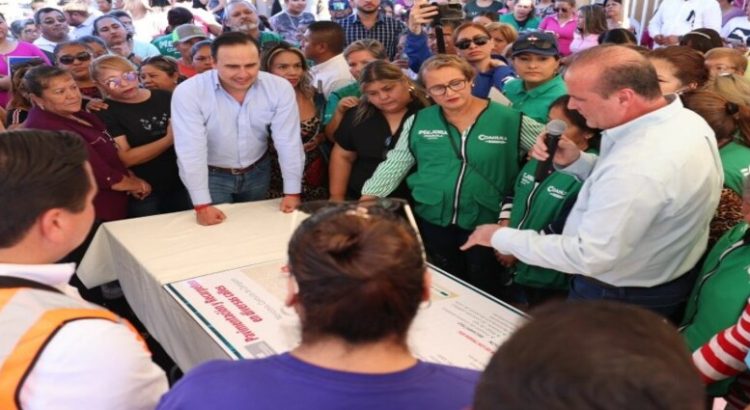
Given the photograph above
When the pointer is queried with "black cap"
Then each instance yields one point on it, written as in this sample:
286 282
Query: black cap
535 42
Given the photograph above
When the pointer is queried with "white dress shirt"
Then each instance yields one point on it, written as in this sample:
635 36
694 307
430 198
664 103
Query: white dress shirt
88 364
642 216
331 75
45 45
679 17
212 128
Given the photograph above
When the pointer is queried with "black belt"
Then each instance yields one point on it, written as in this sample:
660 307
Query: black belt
238 171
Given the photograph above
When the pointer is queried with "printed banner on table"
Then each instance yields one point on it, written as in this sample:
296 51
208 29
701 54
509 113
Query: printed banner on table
243 310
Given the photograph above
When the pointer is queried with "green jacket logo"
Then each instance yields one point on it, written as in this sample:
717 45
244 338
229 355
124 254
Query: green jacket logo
493 139
556 192
432 134
527 179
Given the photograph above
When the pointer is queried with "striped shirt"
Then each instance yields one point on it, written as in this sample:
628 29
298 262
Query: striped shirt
724 357
399 161
386 30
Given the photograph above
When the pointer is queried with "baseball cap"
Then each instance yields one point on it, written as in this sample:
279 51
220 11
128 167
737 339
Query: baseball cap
186 32
535 42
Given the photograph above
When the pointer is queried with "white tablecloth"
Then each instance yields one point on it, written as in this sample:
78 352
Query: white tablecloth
145 253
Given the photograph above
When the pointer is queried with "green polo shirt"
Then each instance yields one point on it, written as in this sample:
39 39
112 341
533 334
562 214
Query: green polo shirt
529 24
536 102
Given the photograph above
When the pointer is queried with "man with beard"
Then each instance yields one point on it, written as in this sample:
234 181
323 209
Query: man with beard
369 22
242 16
54 28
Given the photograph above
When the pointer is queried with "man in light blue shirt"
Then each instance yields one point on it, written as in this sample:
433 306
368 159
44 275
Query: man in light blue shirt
640 222
222 120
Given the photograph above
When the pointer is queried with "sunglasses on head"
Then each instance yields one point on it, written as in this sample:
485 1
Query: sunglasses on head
534 42
69 59
465 43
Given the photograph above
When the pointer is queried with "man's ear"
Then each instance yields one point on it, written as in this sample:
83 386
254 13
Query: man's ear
427 286
52 225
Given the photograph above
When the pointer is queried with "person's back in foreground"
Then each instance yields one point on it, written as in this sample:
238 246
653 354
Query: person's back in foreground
357 279
590 355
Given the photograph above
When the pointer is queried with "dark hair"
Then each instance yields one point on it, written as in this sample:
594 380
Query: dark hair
37 79
119 13
578 120
39 171
382 70
232 38
197 46
17 26
162 63
619 67
95 25
702 40
18 92
305 82
178 16
44 10
489 14
594 19
588 355
330 33
360 278
617 36
92 39
689 64
60 46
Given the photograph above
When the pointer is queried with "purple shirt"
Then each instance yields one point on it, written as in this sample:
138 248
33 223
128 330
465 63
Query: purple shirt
285 382
22 50
108 170
563 32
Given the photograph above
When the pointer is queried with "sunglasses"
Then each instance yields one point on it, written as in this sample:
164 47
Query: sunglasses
534 42
117 82
466 42
69 59
560 10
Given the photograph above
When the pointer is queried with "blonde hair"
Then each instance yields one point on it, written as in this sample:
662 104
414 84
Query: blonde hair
110 62
508 32
724 117
439 61
372 46
735 56
733 87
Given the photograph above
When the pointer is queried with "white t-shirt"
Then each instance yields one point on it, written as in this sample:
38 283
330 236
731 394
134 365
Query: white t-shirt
737 29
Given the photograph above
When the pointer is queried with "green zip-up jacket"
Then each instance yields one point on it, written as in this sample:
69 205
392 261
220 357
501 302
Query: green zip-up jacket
735 160
461 178
535 207
720 293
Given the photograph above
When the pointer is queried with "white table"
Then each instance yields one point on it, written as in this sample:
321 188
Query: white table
145 253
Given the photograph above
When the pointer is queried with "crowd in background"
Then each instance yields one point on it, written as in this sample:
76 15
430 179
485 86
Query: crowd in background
186 105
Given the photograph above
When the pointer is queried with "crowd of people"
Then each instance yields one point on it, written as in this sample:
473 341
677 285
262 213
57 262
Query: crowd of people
562 157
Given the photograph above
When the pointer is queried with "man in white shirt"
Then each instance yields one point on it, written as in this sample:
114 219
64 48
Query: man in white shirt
675 18
53 27
58 351
323 43
640 222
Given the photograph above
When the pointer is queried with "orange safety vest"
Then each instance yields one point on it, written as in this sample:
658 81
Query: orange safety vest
30 315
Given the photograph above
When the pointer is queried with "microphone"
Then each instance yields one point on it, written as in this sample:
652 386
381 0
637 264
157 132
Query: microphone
555 129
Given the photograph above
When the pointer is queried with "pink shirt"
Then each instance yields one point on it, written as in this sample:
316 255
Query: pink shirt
563 32
22 50
583 42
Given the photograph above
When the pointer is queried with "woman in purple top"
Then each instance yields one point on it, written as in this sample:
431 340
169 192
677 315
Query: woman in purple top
563 24
57 106
357 278
12 48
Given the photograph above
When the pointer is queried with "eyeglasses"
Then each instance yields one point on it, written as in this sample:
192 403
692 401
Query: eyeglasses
69 59
455 85
560 10
113 83
465 43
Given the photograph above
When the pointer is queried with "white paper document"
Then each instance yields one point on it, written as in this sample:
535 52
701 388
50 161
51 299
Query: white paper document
243 311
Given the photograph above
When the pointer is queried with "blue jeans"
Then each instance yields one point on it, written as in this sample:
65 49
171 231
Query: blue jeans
667 299
250 186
